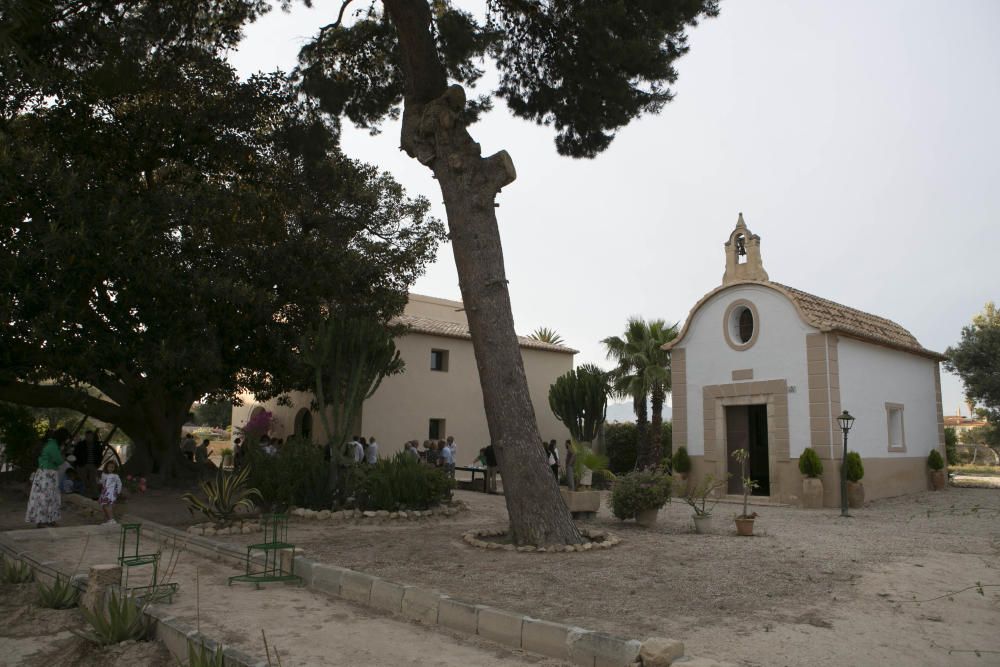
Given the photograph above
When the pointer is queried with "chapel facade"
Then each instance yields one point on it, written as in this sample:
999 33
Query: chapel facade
766 367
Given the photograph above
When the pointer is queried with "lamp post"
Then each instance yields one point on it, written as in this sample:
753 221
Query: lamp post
846 421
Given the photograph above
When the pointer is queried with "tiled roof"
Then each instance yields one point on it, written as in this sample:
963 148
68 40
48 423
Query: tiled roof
426 325
831 316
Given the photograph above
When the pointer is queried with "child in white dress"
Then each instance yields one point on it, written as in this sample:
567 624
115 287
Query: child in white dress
111 487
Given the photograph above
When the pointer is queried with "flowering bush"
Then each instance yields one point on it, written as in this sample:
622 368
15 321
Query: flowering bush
638 491
135 484
259 424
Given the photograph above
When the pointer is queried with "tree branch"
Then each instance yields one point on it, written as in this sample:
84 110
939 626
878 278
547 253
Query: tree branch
340 17
58 396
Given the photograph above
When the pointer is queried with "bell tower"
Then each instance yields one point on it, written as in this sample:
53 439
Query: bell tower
743 256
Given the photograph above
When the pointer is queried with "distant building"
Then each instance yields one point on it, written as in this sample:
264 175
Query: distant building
961 423
766 367
438 395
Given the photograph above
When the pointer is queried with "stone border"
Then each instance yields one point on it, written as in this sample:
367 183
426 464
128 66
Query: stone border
380 516
576 645
209 528
607 541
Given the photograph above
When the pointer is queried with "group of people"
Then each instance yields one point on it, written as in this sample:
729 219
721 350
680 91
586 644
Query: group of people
438 453
192 451
67 467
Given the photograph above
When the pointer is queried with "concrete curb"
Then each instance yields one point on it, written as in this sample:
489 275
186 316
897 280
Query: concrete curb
555 640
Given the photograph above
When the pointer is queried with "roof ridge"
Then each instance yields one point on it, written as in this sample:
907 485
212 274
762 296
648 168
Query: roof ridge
831 302
432 326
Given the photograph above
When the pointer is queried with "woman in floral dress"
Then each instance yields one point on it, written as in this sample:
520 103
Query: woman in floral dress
44 501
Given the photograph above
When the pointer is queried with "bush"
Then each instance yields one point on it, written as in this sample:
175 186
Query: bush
950 440
621 442
855 469
15 571
681 461
225 495
809 463
119 620
61 594
638 491
934 460
602 479
21 441
399 483
299 475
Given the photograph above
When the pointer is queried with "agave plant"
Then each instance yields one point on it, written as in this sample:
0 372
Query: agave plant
224 496
62 594
119 619
15 572
201 656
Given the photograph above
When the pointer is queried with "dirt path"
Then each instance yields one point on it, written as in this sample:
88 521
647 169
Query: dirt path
805 591
307 628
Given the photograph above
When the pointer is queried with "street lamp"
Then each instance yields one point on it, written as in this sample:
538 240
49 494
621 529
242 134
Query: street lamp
846 421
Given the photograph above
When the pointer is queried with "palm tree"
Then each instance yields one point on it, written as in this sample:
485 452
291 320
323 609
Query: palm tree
643 371
546 335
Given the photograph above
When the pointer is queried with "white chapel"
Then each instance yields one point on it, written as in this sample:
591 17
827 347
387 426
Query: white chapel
766 367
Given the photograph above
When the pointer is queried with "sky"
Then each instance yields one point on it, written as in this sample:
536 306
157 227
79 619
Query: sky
860 140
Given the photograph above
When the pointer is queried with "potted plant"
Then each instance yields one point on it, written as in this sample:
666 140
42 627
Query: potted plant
854 471
744 522
812 485
681 464
697 498
936 464
639 495
227 457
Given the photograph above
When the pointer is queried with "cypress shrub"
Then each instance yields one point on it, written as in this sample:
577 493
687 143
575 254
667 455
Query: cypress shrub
809 463
855 469
681 461
934 460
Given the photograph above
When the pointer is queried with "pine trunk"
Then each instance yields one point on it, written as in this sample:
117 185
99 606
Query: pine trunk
156 439
435 134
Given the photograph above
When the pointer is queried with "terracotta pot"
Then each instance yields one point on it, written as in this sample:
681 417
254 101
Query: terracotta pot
647 518
938 479
812 493
855 495
744 526
702 523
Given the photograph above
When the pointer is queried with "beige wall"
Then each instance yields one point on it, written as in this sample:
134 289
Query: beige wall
436 309
403 405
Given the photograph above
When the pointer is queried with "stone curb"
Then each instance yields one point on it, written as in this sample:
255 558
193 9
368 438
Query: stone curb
601 540
379 516
579 646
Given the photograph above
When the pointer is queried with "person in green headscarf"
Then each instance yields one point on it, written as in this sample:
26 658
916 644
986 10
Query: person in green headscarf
44 502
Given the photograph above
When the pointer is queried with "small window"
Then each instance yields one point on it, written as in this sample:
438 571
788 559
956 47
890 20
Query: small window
897 434
436 430
439 360
746 325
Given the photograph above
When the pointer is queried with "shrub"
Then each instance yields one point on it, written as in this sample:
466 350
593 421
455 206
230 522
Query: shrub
681 461
298 475
638 491
200 655
224 496
21 441
621 442
809 463
950 440
15 572
934 460
855 469
399 483
602 479
62 594
119 619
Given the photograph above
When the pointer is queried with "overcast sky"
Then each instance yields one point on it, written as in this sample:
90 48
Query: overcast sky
860 140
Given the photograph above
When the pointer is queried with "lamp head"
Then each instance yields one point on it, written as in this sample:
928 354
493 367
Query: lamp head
846 421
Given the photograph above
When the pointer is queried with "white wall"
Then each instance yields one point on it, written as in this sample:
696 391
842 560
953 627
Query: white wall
778 353
900 378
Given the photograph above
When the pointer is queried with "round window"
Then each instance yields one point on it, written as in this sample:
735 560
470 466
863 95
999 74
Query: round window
741 325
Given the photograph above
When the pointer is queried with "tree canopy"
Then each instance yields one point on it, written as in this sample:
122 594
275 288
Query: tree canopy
976 360
167 230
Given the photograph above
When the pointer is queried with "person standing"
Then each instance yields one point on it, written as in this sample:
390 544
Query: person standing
189 446
411 450
359 450
93 455
490 454
371 455
553 458
453 446
111 487
431 454
447 459
570 464
44 502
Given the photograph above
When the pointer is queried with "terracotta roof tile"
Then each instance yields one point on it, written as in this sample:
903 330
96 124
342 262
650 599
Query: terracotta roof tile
426 325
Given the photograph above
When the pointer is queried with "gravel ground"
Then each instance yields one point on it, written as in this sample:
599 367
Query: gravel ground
802 570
